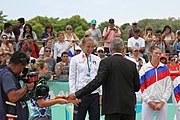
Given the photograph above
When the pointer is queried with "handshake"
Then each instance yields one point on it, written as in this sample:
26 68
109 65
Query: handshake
68 99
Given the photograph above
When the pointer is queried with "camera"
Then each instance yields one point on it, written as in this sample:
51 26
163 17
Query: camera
29 76
112 29
40 89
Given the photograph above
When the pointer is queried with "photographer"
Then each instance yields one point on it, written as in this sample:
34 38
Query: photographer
109 33
41 104
11 91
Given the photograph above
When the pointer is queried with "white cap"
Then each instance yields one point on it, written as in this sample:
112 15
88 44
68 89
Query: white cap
77 48
100 48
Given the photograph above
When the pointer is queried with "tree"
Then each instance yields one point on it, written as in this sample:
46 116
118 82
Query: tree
2 17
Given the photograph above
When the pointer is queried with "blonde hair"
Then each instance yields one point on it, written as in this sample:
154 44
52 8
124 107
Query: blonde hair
68 26
39 64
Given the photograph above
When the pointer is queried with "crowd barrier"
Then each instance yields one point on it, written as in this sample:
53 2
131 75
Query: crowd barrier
65 112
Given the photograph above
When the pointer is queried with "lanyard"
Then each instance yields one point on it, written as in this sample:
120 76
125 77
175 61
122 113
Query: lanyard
89 63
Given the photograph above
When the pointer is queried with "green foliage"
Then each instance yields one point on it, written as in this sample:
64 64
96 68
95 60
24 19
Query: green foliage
80 25
124 28
2 17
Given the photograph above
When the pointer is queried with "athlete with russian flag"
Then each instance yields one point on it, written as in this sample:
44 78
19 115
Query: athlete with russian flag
156 87
176 96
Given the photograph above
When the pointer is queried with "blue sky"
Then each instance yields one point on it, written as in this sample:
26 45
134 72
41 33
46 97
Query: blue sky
122 11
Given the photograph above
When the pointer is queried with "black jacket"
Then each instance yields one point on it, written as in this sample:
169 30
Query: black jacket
120 80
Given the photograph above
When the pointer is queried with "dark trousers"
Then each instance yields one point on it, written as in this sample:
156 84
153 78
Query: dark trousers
88 103
119 117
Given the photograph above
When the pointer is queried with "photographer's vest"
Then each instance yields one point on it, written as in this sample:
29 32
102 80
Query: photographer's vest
21 106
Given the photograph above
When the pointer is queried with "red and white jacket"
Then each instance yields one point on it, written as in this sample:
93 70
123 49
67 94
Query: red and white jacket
156 84
176 92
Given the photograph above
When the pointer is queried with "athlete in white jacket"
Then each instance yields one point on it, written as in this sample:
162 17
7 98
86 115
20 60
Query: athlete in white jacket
156 87
83 69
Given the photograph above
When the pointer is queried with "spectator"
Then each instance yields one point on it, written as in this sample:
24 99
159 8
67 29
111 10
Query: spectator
35 47
20 24
159 42
77 50
71 37
83 68
131 31
4 62
48 44
62 68
156 87
28 52
6 47
100 52
61 46
49 60
176 45
149 39
109 33
96 33
11 90
136 41
17 30
1 57
41 104
8 30
139 61
175 96
168 37
27 30
47 34
163 59
173 67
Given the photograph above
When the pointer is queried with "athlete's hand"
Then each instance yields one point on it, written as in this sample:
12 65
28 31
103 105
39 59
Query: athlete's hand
152 105
159 105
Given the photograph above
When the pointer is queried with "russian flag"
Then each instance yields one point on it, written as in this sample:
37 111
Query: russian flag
177 93
149 77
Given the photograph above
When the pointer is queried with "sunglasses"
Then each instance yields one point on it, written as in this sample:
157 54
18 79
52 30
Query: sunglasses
100 51
86 36
172 59
69 29
48 51
136 50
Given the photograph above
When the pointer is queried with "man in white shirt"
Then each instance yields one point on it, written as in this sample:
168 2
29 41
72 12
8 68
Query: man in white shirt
136 41
61 46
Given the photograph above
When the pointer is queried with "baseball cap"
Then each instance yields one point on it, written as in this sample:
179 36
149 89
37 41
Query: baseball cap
77 48
163 56
136 48
111 20
100 48
93 22
134 23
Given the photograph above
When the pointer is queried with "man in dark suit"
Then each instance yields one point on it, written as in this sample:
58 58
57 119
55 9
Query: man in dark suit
120 80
